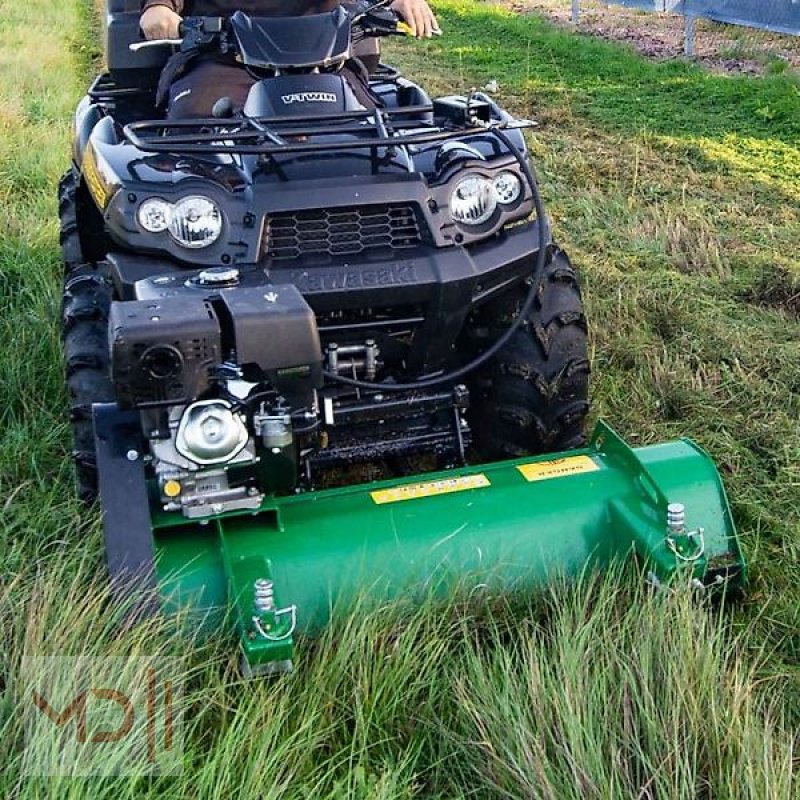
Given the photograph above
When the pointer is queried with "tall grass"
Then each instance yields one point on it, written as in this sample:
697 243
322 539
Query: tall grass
599 689
685 236
678 203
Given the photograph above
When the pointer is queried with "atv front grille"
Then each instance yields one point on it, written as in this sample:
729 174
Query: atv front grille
322 235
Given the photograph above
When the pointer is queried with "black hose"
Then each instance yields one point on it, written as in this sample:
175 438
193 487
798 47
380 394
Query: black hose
449 377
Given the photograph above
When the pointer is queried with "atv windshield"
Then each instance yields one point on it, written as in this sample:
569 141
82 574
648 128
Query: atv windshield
317 40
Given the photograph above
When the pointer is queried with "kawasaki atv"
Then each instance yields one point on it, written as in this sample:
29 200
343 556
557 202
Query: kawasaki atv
281 293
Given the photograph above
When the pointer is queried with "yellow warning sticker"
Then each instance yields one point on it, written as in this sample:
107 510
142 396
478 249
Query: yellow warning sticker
558 468
429 489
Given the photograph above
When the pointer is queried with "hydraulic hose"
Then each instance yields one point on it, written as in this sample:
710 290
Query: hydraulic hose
538 269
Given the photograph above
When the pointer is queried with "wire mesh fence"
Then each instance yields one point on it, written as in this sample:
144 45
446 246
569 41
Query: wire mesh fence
739 36
782 16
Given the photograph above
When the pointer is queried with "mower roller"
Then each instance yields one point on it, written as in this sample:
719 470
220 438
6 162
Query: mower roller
268 308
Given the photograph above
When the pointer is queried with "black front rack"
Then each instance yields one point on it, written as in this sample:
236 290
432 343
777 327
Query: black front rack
270 136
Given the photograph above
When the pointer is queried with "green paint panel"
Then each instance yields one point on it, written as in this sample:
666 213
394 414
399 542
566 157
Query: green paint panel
326 547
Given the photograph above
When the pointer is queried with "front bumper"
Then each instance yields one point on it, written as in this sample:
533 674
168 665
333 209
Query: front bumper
439 286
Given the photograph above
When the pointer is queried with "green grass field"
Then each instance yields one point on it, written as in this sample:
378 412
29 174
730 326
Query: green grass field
677 193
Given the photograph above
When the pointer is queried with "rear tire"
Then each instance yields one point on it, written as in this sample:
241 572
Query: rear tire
71 250
533 396
86 300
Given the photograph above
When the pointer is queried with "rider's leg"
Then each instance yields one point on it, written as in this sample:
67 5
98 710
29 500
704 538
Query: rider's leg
368 52
194 94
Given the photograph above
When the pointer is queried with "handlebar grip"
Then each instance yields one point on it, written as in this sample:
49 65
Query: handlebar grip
407 30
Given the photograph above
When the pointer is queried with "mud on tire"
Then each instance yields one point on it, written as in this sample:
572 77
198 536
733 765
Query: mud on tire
533 397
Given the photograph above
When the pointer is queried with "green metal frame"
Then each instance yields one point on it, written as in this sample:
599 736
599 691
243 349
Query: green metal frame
321 549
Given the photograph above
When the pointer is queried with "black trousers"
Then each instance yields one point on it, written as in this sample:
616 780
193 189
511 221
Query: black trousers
206 81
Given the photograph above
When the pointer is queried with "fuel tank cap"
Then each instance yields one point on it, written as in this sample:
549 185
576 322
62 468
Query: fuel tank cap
218 276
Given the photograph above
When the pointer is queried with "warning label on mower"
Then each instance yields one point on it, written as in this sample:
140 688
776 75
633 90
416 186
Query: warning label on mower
557 468
429 489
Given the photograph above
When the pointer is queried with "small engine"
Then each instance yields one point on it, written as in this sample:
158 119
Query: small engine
226 382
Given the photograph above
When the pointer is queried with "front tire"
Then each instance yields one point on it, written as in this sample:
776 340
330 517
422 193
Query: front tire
533 396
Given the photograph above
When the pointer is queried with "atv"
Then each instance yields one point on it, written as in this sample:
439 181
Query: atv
265 306
309 284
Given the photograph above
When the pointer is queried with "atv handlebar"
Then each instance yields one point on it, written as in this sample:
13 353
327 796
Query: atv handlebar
395 24
376 20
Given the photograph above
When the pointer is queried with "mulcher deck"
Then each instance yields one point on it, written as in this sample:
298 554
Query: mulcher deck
509 526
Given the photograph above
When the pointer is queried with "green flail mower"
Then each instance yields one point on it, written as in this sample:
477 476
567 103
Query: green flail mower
262 304
283 568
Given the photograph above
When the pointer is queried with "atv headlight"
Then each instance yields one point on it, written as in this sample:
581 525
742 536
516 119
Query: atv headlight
473 200
196 222
154 215
507 188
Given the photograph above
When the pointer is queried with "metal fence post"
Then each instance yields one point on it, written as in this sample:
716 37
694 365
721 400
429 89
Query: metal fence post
576 11
688 35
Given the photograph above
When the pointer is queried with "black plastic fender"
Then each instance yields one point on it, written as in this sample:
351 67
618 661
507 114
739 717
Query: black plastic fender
87 115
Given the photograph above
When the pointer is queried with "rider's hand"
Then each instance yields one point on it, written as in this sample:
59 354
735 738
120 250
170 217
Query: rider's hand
418 16
160 22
